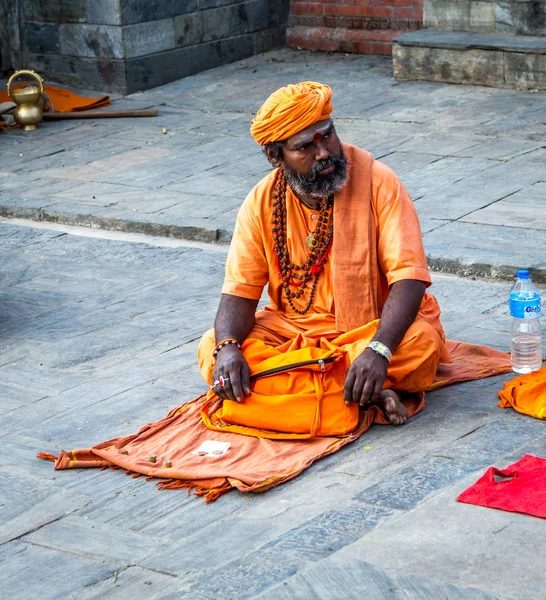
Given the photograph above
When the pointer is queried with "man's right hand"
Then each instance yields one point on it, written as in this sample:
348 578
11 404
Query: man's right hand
232 366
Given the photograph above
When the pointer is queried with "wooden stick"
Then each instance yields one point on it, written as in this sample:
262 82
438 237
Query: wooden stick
100 114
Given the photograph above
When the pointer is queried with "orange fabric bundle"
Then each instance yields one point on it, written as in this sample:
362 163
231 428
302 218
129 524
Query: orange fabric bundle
295 395
526 394
252 464
291 109
60 100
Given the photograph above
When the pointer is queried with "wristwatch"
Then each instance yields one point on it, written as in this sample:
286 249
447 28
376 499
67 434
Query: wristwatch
381 349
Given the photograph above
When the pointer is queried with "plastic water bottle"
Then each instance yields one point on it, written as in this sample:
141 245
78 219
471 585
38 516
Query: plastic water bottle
526 330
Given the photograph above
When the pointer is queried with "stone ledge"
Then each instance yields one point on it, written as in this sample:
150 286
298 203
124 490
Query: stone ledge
192 231
460 40
467 254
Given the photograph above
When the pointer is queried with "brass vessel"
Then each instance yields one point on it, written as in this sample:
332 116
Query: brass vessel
29 101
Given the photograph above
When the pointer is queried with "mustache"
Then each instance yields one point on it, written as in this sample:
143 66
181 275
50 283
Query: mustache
335 161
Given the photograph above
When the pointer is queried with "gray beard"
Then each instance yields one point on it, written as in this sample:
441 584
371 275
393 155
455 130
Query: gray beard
319 186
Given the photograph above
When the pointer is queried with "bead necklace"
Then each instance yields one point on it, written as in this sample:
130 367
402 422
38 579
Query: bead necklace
319 243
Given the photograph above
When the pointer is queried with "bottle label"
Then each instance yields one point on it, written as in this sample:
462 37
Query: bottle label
525 306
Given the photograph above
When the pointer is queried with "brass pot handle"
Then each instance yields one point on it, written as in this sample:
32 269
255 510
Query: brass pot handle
26 72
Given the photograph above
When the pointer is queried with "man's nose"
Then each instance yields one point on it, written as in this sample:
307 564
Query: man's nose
320 152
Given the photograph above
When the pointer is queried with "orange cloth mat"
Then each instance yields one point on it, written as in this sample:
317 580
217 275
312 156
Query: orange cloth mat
526 394
251 464
60 100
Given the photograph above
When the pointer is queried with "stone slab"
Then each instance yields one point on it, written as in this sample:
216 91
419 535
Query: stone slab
453 15
79 536
28 503
41 37
73 70
70 11
531 195
522 214
91 41
103 12
150 71
464 534
526 71
477 191
353 578
141 11
204 550
129 584
520 18
503 149
437 178
188 29
216 23
402 162
448 64
271 39
470 251
255 16
122 161
281 557
461 40
438 146
33 573
150 37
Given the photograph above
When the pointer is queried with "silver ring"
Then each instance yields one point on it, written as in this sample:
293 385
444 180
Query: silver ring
222 380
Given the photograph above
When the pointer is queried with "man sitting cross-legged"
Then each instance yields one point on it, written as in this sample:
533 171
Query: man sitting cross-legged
335 236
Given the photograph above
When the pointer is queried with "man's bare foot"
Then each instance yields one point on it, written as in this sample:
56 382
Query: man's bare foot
393 408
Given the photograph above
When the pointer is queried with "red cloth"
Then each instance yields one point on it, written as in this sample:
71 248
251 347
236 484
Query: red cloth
521 488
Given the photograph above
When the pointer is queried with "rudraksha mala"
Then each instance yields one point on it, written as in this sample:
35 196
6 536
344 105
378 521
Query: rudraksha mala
297 276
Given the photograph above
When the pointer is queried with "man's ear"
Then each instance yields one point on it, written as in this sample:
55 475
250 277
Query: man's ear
272 157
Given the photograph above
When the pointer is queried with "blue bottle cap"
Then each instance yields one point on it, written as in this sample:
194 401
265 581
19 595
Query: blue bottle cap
522 274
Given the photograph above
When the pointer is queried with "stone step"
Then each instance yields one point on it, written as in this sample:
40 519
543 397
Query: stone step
496 60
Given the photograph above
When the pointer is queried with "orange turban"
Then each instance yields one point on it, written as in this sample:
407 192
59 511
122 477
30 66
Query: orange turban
291 109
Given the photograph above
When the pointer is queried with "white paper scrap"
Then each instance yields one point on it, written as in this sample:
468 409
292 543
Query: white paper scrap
212 449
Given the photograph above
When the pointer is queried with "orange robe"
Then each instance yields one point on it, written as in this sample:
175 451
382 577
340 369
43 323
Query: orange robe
377 241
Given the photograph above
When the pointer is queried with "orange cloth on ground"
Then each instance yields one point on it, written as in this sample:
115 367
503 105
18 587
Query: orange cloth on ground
526 394
291 109
62 100
252 464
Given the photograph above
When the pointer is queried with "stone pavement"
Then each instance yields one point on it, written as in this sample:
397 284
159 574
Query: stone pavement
473 158
98 337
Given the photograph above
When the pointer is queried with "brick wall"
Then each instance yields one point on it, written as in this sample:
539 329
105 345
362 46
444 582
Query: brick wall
130 45
363 26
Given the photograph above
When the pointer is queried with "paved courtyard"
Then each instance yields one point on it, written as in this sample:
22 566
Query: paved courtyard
98 337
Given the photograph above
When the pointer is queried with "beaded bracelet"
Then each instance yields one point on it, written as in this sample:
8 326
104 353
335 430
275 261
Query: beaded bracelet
224 343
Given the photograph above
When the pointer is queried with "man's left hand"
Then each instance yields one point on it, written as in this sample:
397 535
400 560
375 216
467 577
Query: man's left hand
365 378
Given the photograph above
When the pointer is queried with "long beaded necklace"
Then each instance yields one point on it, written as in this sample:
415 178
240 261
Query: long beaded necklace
319 243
